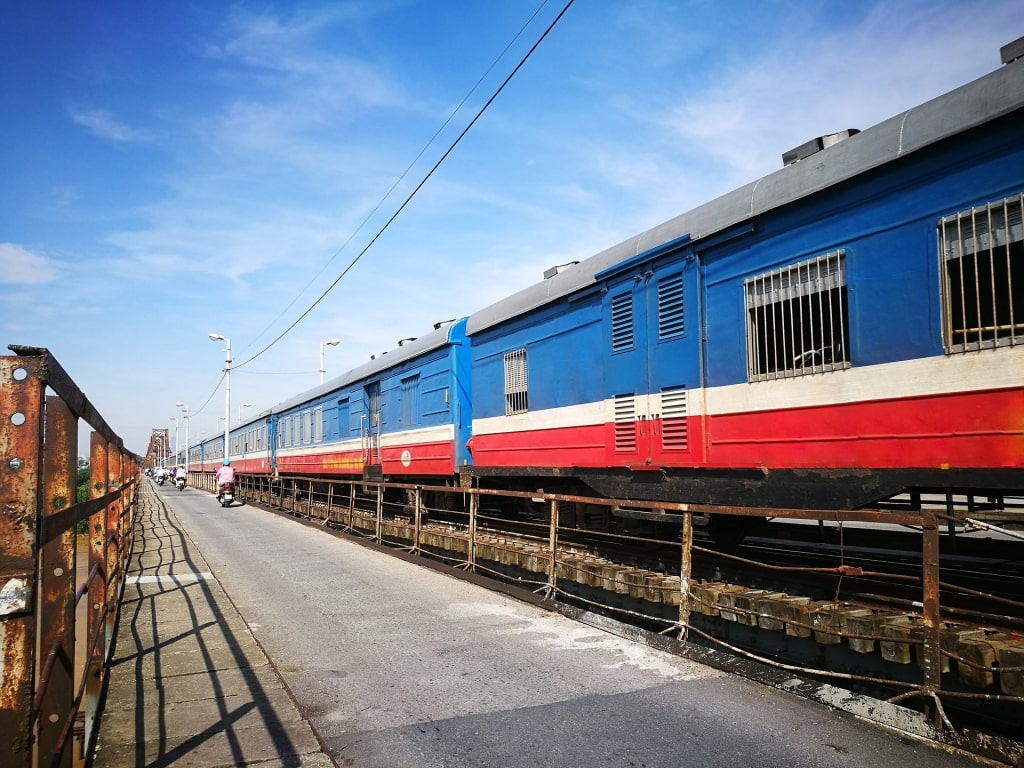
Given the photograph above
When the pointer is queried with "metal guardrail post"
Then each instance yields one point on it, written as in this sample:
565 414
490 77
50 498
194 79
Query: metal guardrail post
98 450
57 588
685 569
378 536
418 521
931 650
21 437
474 509
553 547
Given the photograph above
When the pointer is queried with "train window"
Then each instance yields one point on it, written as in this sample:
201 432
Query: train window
622 322
410 400
318 424
797 319
516 400
671 317
982 251
306 428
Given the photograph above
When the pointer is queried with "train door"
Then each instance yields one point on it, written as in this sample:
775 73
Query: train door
272 443
674 363
371 430
652 336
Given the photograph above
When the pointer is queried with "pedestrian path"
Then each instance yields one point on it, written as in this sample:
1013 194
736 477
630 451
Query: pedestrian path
189 686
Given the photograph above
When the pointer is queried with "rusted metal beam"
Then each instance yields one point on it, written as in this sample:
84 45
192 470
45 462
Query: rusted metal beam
931 651
21 431
685 570
52 374
57 587
894 517
98 452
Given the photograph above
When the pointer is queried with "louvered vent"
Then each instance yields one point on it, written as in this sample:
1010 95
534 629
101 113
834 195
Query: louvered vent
671 317
625 424
673 419
622 322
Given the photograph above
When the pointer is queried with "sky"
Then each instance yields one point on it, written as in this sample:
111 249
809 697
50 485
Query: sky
171 170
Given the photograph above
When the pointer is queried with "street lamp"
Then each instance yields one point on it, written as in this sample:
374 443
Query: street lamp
243 405
227 386
184 410
175 420
328 343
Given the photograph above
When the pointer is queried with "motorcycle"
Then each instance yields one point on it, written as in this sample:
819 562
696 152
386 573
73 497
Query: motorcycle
180 482
160 480
226 494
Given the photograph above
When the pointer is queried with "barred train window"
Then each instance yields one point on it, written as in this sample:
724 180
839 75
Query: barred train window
797 320
982 251
515 382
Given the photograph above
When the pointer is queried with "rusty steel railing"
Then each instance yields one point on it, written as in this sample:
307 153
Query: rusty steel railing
43 696
956 657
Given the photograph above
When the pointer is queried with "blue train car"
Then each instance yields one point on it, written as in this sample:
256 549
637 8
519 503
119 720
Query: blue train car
846 329
404 415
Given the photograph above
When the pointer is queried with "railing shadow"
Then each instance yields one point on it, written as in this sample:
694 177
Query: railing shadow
185 634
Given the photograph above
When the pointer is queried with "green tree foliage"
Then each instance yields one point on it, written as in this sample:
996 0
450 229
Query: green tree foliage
82 494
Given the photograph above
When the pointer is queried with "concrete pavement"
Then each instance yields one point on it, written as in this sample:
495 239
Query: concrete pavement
189 685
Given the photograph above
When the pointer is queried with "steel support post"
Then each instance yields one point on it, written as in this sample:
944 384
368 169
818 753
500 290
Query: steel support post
351 503
931 650
685 569
112 543
330 501
380 513
474 508
94 637
21 438
552 546
419 521
57 590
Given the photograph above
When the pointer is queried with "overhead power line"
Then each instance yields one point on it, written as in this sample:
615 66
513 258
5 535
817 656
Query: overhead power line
404 173
419 186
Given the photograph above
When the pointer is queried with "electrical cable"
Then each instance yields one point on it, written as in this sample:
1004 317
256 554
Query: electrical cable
405 173
419 186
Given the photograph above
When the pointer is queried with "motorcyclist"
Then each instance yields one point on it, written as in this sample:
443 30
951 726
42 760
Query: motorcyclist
225 474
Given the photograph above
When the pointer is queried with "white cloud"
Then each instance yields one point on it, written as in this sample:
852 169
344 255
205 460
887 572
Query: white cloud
103 124
19 266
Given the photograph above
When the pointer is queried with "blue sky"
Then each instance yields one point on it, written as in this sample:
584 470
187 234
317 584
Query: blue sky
176 169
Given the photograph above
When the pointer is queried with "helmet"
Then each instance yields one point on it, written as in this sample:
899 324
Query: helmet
226 462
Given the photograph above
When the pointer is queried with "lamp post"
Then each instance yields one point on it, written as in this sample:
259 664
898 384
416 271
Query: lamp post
184 410
243 405
175 420
227 386
328 343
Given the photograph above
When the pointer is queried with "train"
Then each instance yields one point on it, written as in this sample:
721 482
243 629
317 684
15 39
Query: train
842 332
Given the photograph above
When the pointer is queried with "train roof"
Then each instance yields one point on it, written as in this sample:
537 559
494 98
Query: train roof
987 98
451 332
